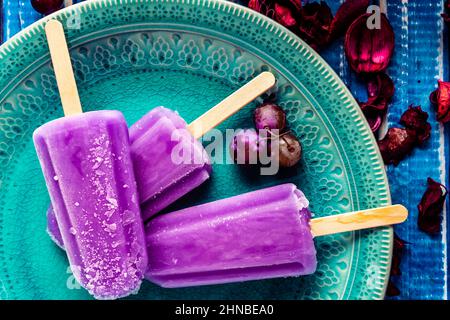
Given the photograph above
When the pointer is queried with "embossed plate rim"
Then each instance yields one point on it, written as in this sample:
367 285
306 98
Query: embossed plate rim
287 37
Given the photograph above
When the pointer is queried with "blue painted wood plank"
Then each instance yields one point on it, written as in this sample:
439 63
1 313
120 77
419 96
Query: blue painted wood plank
17 15
415 69
27 15
334 53
1 21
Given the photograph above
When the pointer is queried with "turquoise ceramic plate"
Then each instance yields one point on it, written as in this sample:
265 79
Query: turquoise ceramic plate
187 55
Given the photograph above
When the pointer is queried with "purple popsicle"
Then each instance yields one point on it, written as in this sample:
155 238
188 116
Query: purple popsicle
53 228
257 235
161 180
157 137
87 167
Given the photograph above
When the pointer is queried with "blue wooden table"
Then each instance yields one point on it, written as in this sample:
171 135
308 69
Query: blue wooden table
421 58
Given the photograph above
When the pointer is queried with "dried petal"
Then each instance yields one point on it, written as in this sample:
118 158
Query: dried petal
397 144
283 16
311 22
314 26
256 5
392 289
295 5
441 98
445 15
416 119
430 207
373 116
346 14
399 246
287 11
375 123
369 50
433 97
380 86
380 90
397 253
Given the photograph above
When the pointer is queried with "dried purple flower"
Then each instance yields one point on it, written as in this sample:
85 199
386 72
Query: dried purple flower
441 98
346 14
397 144
430 207
369 50
416 119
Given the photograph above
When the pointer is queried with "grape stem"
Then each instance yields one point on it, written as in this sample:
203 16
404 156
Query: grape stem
276 135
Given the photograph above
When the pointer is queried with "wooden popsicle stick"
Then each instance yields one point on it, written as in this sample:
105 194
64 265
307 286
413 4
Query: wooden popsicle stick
358 220
231 104
63 68
383 6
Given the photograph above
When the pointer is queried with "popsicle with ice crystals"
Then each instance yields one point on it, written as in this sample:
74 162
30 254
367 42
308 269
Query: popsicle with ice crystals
86 161
105 122
257 235
155 137
161 180
261 234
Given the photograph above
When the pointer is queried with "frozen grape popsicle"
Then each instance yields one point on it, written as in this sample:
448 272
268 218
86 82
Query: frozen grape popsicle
86 161
155 137
158 134
262 234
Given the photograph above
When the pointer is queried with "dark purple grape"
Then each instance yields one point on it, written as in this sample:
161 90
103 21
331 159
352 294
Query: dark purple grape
290 150
245 146
47 6
269 116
